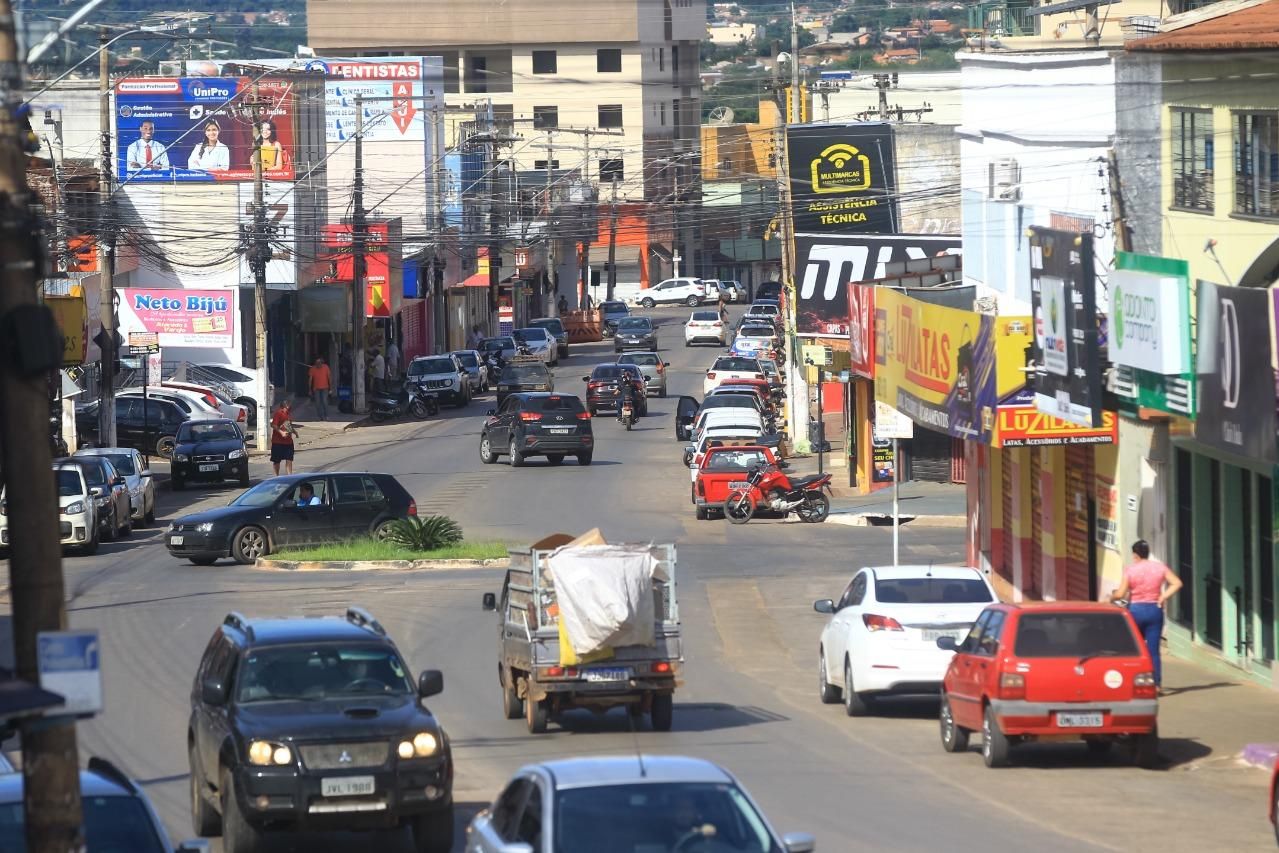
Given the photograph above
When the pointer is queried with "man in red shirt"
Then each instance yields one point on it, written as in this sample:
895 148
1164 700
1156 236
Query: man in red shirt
282 439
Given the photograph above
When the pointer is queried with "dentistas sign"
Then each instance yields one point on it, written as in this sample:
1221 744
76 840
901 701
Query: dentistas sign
842 178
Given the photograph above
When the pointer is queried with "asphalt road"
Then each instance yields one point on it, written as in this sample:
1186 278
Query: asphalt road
749 701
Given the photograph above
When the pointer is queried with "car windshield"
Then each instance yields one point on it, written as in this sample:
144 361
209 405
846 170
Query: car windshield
555 404
196 431
741 365
1074 635
68 483
93 474
729 401
755 332
705 316
530 334
325 671
666 817
265 493
639 324
614 308
496 344
932 590
123 463
638 358
735 460
611 371
118 824
468 358
525 373
431 366
551 324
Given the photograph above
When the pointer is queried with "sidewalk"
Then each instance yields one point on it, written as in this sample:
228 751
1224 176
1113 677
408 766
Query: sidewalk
920 504
1206 720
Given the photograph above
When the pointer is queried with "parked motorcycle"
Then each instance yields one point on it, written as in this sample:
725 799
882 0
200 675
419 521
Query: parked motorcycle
768 488
409 399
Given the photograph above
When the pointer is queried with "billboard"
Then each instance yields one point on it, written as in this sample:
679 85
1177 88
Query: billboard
861 330
827 264
1020 424
377 287
1236 384
197 129
842 178
1150 314
182 318
1063 298
946 368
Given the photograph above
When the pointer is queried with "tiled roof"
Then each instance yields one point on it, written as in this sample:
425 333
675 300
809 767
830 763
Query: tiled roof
1252 27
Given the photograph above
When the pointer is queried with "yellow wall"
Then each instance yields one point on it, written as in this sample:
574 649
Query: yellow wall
745 148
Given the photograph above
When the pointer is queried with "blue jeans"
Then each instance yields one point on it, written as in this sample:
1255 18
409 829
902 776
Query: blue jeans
1150 622
321 403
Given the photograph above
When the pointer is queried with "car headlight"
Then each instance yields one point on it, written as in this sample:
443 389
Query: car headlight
181 457
73 509
205 527
173 525
424 744
235 454
264 753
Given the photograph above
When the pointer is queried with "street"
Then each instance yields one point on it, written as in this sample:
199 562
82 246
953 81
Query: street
750 698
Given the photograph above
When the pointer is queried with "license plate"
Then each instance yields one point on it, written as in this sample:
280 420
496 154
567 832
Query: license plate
1092 720
559 430
931 635
739 484
208 467
175 540
611 674
346 786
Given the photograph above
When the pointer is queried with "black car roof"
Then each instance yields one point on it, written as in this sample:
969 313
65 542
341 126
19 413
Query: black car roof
285 631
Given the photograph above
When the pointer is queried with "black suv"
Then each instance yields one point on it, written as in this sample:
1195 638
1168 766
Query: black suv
538 424
314 724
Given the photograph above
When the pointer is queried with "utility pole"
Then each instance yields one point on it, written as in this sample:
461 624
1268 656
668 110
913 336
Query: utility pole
50 764
359 229
553 279
612 241
259 253
106 257
796 105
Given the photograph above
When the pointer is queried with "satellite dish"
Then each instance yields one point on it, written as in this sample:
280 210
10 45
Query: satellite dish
722 115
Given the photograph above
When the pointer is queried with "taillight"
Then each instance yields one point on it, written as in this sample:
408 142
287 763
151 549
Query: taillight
240 416
717 324
875 622
211 400
583 416
710 376
662 666
1012 685
1143 685
412 507
530 416
560 672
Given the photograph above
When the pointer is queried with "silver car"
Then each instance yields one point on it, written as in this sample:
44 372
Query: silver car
663 803
137 476
654 370
540 343
477 371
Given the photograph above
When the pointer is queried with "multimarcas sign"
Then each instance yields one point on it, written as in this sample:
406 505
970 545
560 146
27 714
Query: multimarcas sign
944 368
842 178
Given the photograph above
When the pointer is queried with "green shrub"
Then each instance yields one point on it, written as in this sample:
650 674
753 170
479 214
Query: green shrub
424 534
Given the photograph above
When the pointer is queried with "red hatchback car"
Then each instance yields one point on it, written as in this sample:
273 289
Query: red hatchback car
1051 672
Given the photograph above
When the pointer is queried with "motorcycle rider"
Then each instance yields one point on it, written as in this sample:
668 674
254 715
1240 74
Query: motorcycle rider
626 398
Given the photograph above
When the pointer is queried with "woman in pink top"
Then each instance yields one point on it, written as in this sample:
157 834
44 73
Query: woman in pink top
1147 584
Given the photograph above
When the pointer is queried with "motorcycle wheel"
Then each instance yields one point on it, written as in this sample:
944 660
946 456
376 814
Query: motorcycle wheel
739 507
629 421
419 410
814 509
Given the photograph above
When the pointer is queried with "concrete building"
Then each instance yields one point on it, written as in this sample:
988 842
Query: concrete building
729 34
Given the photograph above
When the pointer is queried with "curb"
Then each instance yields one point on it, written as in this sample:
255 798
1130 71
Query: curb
378 565
879 519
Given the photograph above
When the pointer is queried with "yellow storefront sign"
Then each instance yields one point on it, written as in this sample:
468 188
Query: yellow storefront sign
72 316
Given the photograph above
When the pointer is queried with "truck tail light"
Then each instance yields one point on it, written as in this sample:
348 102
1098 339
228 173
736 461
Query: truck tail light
1012 685
560 672
1143 685
875 622
530 416
662 666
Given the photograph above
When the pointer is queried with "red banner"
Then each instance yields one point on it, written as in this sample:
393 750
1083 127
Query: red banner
377 287
861 329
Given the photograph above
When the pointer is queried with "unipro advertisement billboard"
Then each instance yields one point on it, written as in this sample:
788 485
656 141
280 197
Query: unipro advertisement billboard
827 264
842 178
200 129
1063 298
1236 381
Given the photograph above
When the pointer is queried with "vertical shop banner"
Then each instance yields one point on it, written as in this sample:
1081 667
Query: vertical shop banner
1236 383
1063 298
940 366
861 330
377 287
827 265
181 318
197 129
1106 497
842 178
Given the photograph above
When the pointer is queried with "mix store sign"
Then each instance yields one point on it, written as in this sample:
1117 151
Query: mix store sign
957 372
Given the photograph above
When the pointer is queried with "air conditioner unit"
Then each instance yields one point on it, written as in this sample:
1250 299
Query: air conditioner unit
1005 180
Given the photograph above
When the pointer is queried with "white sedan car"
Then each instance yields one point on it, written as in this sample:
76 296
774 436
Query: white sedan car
540 343
728 367
703 327
882 634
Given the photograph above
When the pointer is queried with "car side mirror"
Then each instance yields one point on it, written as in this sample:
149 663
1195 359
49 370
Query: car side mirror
489 602
145 473
799 842
647 378
586 379
824 605
948 644
213 691
119 481
430 683
95 492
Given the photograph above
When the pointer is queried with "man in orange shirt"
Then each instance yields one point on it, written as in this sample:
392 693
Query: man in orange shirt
282 439
321 381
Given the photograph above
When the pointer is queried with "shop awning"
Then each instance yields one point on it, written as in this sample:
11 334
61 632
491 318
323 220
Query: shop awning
479 279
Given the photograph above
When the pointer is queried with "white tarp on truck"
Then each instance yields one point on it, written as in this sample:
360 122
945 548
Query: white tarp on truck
605 595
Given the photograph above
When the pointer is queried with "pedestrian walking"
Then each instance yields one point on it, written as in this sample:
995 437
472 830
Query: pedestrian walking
320 380
562 304
393 360
473 342
377 369
282 433
1146 585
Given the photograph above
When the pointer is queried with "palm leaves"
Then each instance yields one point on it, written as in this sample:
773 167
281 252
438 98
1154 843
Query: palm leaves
424 534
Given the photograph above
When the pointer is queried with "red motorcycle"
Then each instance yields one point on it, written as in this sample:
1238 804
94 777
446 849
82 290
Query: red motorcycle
768 488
